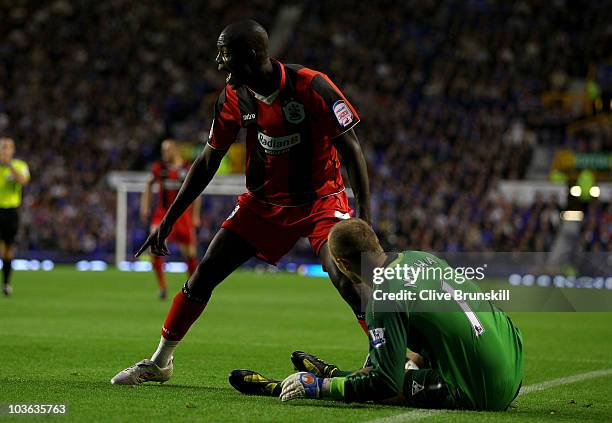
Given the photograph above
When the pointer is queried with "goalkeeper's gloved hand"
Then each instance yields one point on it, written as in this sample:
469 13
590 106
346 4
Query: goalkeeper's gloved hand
303 385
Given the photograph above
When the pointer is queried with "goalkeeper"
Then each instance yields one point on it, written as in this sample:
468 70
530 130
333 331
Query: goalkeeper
469 352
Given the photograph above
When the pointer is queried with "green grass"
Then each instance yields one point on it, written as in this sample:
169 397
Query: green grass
64 334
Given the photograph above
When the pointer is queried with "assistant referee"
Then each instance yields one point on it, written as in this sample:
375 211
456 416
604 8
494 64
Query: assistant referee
14 174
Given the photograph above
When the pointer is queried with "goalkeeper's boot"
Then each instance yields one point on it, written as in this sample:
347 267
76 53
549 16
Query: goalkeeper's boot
143 371
253 383
305 362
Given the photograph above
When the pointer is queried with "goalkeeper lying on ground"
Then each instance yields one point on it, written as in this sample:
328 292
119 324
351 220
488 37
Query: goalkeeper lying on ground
469 352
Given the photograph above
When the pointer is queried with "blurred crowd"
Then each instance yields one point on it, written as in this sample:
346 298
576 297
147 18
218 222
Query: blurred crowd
89 87
449 95
596 235
450 98
591 139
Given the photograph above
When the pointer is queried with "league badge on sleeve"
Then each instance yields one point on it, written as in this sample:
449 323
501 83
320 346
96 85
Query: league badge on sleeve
377 336
343 113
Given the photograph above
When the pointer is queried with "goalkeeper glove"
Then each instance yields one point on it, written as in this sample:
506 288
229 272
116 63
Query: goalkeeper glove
303 385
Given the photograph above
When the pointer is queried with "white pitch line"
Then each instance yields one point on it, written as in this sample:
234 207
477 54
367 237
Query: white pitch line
536 387
577 360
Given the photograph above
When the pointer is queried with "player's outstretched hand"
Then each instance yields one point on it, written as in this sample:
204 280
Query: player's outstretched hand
301 385
157 241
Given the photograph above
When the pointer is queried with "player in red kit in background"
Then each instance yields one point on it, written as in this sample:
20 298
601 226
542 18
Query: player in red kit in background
298 125
168 175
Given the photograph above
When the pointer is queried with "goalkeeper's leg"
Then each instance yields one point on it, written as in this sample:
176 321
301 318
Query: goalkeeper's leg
305 362
250 382
253 383
424 388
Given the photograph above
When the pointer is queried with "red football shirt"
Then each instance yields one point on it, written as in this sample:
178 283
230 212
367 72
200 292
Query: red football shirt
169 180
290 158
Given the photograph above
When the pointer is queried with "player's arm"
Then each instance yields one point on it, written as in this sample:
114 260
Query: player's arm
21 174
357 170
199 176
197 212
145 200
223 132
386 377
337 118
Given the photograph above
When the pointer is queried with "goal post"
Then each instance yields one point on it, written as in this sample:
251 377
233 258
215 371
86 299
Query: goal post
126 183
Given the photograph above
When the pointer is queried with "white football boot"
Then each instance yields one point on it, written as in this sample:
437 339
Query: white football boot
143 371
7 289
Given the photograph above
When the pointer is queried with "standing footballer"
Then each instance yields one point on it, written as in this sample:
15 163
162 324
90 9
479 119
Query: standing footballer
168 174
298 124
14 174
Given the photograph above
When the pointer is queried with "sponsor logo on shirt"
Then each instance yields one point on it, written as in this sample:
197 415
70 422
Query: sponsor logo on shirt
278 145
343 216
378 337
343 113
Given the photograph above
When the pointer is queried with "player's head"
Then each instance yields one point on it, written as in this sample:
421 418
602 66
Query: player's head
242 50
348 240
7 148
169 150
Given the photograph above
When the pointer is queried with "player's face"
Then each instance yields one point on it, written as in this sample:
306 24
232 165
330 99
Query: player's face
168 151
230 62
7 149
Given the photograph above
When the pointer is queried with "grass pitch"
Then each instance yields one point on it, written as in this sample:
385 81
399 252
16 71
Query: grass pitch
64 334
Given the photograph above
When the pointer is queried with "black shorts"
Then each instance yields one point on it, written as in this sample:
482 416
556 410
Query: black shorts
426 388
9 223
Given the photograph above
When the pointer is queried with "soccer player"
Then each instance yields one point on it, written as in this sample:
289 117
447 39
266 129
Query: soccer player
14 174
298 124
168 174
471 354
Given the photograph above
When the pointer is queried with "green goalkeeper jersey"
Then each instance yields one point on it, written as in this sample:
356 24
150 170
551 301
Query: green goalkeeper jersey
472 344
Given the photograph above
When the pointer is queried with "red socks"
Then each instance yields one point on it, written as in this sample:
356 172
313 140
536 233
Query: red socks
363 325
158 267
192 263
181 316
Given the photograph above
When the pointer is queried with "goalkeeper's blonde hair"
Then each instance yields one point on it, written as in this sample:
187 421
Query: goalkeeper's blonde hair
350 238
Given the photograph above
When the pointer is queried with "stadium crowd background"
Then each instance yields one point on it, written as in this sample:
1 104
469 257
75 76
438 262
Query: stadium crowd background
449 94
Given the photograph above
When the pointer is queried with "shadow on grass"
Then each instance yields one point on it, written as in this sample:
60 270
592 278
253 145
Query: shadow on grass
352 406
151 386
195 387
